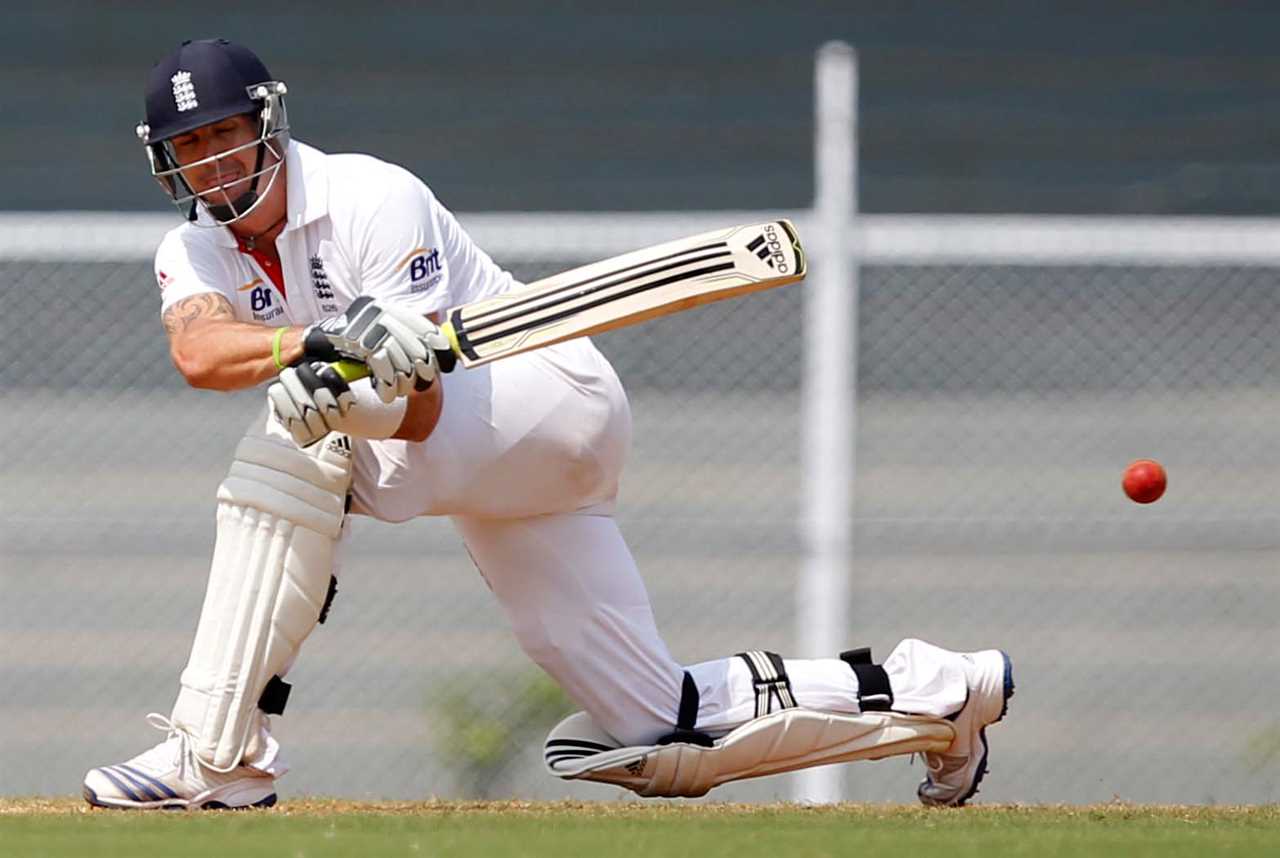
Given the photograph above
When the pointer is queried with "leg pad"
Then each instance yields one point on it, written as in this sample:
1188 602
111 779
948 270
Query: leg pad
280 514
783 741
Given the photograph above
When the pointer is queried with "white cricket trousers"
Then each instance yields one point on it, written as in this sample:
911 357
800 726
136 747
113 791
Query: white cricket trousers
579 608
526 461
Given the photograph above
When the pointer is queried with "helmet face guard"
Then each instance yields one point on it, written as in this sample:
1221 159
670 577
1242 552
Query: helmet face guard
272 140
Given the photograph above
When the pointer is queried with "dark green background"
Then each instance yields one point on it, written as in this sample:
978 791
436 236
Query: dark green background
978 106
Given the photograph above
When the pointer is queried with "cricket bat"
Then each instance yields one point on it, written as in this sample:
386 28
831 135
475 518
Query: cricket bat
625 290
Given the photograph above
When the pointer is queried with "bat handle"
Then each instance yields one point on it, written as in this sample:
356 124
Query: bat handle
351 370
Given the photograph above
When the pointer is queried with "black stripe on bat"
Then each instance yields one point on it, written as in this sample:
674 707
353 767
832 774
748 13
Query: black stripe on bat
516 308
468 344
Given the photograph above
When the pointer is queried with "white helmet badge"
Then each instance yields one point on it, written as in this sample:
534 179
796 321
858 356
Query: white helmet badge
184 92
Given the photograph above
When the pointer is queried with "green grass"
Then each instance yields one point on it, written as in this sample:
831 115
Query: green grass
313 829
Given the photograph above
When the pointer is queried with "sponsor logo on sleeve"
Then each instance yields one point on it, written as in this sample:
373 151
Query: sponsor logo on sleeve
163 279
261 301
425 268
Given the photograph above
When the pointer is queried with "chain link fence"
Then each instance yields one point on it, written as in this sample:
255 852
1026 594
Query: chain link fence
997 407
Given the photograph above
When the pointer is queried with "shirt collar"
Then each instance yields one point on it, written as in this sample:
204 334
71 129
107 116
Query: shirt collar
308 191
307 194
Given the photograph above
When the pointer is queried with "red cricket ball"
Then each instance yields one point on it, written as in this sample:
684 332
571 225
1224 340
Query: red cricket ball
1144 481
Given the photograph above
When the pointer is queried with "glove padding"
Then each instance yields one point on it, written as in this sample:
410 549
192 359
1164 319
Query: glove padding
310 400
402 349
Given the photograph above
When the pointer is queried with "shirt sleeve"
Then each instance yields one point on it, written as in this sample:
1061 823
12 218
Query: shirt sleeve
417 256
182 272
402 260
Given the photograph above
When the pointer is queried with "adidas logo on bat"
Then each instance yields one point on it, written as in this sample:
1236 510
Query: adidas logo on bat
768 247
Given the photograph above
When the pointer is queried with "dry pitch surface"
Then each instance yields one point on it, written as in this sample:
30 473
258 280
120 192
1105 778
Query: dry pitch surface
304 828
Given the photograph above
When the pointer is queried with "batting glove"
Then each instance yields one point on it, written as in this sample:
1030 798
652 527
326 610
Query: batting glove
403 350
310 400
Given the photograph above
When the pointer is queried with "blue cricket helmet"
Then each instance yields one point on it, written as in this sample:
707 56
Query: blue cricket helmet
200 83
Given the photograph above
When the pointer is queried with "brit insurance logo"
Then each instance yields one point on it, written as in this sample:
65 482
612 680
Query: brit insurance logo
424 267
184 92
261 301
320 282
768 246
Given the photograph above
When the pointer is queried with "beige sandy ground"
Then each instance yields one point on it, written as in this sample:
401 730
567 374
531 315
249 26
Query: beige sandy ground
1191 814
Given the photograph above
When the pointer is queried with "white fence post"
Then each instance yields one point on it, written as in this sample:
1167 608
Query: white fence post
822 596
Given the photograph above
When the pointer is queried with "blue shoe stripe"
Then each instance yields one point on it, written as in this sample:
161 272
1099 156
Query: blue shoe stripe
118 785
151 795
148 778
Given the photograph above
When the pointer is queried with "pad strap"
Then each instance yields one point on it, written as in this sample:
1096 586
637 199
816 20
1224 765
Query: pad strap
769 677
274 696
328 598
687 717
874 691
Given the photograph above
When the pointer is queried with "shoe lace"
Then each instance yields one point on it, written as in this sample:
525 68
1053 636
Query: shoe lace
935 763
183 748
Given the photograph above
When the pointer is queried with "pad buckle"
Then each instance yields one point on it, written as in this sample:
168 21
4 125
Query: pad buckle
274 696
770 680
874 692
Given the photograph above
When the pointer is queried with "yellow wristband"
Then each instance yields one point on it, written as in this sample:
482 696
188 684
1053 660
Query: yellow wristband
275 347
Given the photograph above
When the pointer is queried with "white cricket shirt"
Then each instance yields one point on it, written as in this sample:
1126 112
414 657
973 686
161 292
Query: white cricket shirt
355 226
539 433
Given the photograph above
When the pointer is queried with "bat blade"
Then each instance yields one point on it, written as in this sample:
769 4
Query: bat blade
625 290
628 289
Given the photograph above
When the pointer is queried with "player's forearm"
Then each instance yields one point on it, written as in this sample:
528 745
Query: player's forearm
422 413
228 355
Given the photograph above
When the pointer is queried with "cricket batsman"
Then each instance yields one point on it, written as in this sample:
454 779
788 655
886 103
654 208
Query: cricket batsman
291 260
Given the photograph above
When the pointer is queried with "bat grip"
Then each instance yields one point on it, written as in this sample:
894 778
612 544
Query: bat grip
351 370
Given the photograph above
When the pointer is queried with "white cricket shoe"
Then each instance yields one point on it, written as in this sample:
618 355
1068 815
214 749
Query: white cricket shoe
954 775
169 776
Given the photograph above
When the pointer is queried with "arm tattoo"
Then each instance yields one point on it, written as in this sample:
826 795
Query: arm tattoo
206 305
